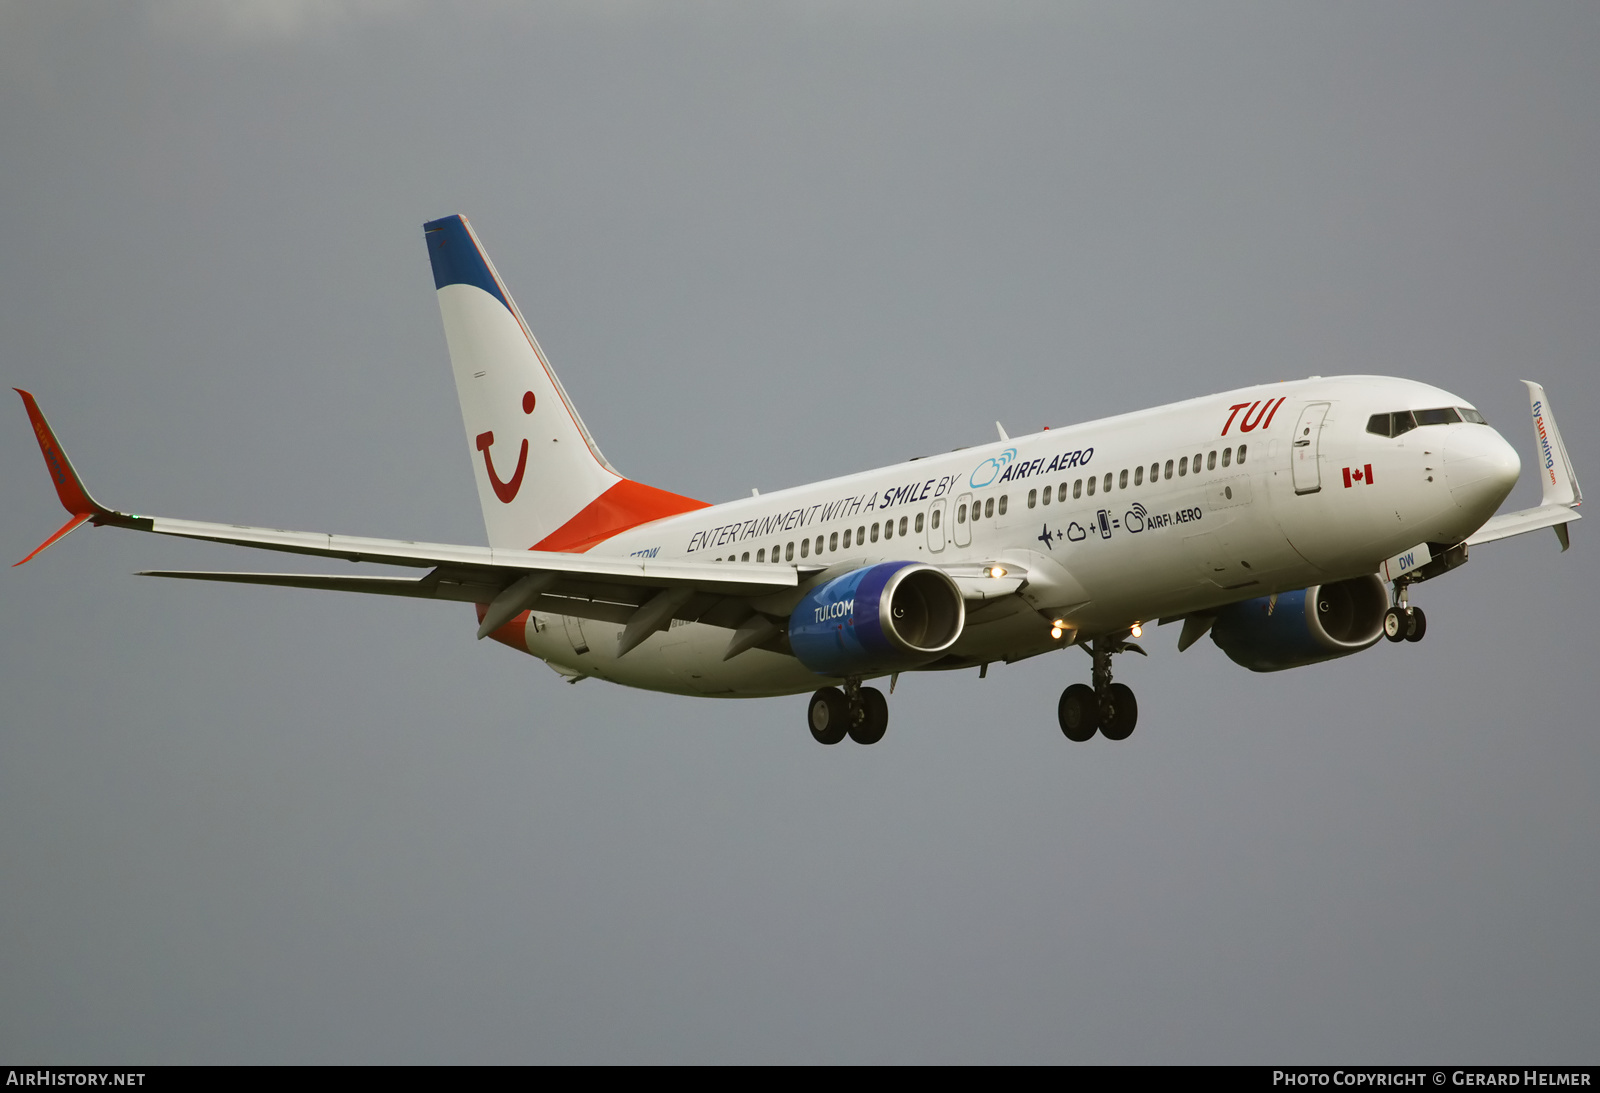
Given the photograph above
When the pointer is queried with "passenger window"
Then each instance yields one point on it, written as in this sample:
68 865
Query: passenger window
1077 488
805 547
833 541
1061 494
788 553
761 555
1033 498
1169 468
847 538
1048 493
819 544
861 535
936 513
1122 481
1091 487
918 528
902 525
988 509
1227 456
745 557
1155 471
1183 466
874 533
1242 448
1106 485
888 529
1196 462
1138 475
961 514
1211 461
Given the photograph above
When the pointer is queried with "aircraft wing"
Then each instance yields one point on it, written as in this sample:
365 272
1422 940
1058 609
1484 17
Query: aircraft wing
641 593
1507 524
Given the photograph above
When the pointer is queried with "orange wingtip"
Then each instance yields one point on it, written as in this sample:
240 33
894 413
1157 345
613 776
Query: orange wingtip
70 526
69 487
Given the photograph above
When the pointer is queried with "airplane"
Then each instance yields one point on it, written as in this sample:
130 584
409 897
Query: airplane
1288 520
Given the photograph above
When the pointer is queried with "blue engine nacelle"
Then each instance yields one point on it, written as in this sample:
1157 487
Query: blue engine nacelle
879 618
1271 633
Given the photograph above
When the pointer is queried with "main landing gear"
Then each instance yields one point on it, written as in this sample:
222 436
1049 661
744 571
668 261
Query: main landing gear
1107 706
862 713
1402 622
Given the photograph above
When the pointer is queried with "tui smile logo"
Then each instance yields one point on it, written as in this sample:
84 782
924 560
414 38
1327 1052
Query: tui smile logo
506 491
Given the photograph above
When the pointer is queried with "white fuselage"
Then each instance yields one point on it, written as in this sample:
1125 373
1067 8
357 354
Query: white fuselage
1147 515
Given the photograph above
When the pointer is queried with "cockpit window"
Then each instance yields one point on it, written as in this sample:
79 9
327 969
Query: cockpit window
1403 421
1391 424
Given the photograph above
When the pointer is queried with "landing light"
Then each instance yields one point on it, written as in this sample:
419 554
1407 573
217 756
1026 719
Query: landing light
1055 632
997 571
1137 631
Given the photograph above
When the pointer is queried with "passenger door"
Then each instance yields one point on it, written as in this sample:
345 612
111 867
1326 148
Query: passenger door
1304 448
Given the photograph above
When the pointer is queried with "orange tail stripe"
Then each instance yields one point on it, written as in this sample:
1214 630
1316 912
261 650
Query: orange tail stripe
625 505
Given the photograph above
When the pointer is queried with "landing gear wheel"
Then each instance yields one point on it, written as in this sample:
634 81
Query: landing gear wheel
1419 625
828 715
1394 625
1078 713
874 717
1120 713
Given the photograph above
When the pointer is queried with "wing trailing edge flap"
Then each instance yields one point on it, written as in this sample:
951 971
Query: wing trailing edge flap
543 593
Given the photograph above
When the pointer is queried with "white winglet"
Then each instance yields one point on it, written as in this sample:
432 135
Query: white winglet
1555 467
1562 494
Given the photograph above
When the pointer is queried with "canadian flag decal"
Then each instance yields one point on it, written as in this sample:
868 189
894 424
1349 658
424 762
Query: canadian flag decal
1356 475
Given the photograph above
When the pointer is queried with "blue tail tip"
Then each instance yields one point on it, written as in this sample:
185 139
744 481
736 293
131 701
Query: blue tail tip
456 257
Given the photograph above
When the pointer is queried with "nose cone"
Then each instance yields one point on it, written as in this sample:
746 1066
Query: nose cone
1480 469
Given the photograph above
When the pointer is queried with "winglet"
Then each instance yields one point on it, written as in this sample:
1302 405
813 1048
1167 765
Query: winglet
69 487
1555 466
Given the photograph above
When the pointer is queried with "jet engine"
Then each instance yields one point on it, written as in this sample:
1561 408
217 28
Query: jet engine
880 618
1271 633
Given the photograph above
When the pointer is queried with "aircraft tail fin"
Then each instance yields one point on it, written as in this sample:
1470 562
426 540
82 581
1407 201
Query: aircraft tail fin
542 480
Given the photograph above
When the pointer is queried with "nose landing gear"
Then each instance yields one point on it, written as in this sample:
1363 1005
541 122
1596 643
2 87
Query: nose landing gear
1108 707
861 713
1402 622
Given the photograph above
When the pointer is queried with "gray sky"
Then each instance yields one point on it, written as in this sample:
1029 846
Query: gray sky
765 244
